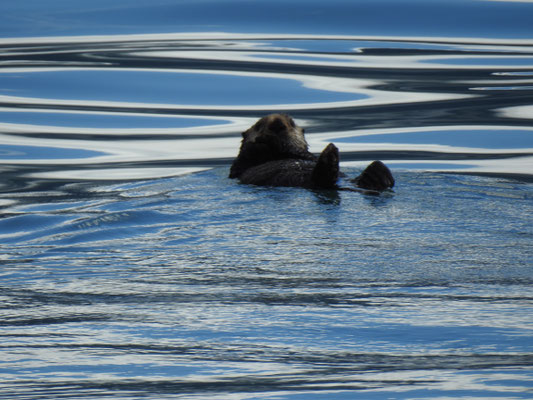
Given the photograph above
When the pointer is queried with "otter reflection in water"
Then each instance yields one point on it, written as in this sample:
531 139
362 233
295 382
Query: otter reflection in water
274 152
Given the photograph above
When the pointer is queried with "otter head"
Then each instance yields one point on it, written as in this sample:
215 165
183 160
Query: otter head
273 137
278 135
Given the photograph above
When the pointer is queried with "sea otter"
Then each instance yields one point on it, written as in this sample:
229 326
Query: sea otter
274 152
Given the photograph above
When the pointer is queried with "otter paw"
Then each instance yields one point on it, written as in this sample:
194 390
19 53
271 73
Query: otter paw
376 176
326 171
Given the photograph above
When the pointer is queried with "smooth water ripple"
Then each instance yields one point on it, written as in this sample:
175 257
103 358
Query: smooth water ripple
169 100
131 266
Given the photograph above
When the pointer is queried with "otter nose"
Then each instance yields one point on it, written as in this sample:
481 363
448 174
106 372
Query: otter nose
276 125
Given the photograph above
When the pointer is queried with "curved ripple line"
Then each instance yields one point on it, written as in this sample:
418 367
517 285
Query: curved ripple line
352 85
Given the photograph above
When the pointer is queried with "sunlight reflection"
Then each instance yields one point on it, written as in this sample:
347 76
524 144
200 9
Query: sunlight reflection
273 90
124 151
31 120
115 173
446 139
521 112
113 121
355 60
241 37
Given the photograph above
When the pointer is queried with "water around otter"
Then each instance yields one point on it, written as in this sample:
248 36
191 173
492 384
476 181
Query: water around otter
132 267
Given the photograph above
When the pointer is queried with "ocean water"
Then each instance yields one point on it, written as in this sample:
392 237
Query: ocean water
131 267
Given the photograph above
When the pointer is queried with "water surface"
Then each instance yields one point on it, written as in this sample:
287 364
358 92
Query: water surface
132 267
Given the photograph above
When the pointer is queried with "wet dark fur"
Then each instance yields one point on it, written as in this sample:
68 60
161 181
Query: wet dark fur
274 152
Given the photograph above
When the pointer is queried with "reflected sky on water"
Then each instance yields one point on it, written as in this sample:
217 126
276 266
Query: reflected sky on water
162 99
132 267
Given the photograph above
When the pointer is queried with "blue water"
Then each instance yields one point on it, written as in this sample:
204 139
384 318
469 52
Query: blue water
131 266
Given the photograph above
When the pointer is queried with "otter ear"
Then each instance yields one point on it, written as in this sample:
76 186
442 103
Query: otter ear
260 124
291 121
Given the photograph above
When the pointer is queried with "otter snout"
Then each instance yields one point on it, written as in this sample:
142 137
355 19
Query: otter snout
277 125
271 125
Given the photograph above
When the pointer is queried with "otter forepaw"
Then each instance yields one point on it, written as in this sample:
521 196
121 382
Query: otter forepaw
326 171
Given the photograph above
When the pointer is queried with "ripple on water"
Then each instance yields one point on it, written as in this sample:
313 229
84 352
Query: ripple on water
133 267
158 101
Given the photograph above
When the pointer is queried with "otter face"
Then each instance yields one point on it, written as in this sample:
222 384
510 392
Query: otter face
274 137
278 133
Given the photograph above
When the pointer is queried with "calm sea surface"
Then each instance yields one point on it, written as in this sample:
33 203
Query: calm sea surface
131 267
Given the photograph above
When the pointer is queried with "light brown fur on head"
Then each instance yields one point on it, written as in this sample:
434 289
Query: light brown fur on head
274 137
282 131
